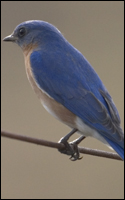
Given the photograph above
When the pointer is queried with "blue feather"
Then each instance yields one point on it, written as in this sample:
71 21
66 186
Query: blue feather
77 87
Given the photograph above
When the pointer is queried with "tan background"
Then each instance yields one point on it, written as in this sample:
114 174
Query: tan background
31 171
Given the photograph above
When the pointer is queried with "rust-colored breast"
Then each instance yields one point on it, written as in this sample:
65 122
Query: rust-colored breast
52 106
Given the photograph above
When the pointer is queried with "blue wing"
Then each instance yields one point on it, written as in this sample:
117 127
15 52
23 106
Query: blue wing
65 74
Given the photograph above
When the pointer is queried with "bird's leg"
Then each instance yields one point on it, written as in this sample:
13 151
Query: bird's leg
72 147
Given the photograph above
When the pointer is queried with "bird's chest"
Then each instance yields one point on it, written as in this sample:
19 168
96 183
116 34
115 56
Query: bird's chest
53 107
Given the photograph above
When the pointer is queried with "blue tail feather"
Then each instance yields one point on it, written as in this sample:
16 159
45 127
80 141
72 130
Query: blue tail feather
116 147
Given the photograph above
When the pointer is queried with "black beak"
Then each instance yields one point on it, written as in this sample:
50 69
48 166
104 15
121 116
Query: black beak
10 38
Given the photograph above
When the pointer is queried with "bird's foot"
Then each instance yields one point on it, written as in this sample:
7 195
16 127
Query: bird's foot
71 148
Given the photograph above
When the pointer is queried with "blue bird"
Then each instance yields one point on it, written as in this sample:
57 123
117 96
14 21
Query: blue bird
67 85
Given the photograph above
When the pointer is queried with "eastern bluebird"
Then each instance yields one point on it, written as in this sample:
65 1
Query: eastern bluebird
67 85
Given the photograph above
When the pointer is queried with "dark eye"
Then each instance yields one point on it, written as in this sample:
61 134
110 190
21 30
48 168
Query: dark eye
22 32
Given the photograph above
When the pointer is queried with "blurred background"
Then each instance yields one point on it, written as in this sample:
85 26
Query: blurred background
30 171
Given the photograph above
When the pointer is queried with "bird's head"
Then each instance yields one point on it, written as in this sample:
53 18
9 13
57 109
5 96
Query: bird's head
33 32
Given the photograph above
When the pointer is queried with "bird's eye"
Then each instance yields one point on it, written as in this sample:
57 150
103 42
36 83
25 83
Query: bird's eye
22 32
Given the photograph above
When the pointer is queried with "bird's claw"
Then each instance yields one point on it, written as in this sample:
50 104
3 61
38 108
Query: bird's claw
76 154
70 149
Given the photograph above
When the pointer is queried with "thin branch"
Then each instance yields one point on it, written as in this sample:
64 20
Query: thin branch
60 146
